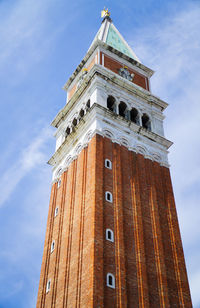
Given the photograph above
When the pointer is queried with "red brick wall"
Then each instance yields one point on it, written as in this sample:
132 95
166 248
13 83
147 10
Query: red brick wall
92 63
71 92
146 257
114 66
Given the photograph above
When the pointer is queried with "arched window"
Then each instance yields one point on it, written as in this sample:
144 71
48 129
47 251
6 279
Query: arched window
74 122
109 235
108 164
123 110
52 246
59 182
48 285
134 116
108 196
146 122
81 113
56 211
111 105
110 280
88 103
67 131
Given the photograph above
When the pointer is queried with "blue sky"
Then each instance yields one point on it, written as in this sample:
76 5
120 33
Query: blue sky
41 43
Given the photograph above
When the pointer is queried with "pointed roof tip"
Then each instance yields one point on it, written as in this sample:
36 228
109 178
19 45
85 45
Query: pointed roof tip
106 18
105 14
109 34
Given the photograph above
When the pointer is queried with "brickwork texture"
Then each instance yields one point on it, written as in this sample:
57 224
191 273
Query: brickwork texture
146 257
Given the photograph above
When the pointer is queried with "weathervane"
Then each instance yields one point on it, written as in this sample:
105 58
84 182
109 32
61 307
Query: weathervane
105 13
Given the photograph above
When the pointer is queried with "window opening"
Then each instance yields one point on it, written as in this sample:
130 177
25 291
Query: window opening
109 235
67 131
52 246
110 280
48 285
81 113
88 103
59 183
108 164
56 211
111 105
146 122
108 196
74 122
122 109
134 116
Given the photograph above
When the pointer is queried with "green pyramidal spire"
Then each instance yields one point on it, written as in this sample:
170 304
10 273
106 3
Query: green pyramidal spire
114 40
109 34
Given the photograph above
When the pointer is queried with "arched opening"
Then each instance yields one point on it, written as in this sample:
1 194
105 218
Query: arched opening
134 116
74 122
111 104
109 196
108 164
52 246
110 280
146 122
56 211
59 183
122 109
109 235
88 103
81 113
48 285
67 131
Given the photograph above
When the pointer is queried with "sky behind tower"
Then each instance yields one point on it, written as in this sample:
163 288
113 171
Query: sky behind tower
41 44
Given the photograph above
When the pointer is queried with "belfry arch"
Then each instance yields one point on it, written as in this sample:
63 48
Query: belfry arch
146 123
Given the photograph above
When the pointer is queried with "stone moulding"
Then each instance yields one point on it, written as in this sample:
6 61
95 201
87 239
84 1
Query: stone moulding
134 140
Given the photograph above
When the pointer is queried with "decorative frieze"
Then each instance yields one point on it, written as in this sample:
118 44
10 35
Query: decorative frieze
100 121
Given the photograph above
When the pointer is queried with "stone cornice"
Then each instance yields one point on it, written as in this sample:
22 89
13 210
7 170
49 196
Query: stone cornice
109 76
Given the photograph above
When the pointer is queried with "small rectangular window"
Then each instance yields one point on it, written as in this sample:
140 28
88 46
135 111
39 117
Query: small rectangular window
56 211
108 164
108 196
48 285
109 235
110 279
110 282
52 246
59 183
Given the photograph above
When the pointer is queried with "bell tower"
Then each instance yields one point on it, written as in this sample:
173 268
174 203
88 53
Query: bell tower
112 237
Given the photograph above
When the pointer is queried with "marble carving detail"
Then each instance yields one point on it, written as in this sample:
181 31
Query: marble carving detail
121 140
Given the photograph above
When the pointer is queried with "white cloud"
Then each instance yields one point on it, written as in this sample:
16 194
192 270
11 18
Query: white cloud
26 36
195 279
32 156
21 252
172 48
25 214
19 28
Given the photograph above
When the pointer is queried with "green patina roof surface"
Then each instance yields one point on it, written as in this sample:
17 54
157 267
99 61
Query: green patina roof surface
116 42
